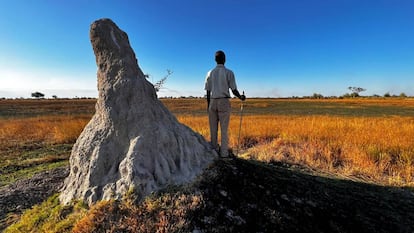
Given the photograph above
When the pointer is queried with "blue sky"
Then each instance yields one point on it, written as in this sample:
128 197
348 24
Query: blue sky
275 48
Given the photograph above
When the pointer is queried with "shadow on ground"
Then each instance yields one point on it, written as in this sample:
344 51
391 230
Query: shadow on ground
250 196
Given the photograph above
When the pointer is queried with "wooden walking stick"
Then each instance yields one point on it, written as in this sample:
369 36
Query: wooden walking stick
241 118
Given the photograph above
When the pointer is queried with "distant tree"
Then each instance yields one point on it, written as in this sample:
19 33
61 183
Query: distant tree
317 96
356 90
54 96
387 95
38 95
403 95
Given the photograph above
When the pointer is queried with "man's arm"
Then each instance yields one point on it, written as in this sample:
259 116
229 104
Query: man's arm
237 93
208 99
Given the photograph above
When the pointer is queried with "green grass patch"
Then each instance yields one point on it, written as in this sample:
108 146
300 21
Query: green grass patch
357 108
337 107
25 173
25 161
50 216
44 107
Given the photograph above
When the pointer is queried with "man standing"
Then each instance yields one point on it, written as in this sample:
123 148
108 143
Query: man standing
218 82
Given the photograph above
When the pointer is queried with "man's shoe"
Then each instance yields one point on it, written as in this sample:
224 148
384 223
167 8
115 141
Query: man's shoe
229 154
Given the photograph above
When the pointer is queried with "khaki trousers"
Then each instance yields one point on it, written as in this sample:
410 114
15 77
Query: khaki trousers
219 111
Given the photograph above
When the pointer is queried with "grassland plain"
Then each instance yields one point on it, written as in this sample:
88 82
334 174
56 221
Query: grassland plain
369 140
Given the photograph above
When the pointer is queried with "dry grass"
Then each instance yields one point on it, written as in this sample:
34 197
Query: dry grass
378 149
364 139
154 214
34 144
44 129
368 138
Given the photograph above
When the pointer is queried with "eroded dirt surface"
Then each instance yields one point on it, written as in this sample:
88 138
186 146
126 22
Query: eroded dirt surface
23 194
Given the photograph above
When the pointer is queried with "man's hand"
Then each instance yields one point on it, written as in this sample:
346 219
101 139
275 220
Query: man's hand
243 97
236 93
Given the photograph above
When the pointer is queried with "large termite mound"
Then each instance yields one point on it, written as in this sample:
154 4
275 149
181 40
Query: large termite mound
132 142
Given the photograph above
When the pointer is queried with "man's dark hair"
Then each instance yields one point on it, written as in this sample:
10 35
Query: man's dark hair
220 57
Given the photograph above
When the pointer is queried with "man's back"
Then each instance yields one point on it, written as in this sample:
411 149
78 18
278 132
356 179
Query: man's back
219 80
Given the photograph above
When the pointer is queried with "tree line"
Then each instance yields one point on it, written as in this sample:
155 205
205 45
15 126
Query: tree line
355 92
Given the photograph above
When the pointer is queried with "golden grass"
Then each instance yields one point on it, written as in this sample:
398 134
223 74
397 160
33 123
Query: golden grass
377 149
154 214
42 129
